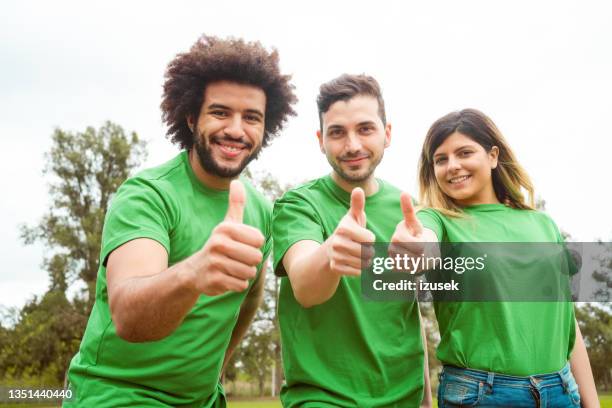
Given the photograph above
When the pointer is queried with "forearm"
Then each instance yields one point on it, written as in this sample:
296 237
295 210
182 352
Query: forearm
581 369
148 308
311 279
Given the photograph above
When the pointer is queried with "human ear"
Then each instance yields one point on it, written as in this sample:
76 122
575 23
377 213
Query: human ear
493 156
190 122
320 138
387 135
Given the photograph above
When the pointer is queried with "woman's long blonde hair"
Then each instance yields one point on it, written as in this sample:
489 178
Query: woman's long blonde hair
509 177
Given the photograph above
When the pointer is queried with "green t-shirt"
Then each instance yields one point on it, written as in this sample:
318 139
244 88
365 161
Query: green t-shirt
346 352
515 338
170 205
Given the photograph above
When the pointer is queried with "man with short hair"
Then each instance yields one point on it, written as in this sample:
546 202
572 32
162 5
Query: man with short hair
338 349
185 243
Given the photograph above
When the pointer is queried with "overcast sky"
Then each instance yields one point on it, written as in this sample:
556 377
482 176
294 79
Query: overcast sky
540 69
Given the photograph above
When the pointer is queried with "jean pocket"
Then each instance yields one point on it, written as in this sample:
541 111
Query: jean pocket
459 391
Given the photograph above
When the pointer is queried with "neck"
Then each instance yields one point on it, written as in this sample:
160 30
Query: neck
369 185
484 197
209 180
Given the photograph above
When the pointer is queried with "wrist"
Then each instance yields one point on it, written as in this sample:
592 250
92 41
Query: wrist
186 275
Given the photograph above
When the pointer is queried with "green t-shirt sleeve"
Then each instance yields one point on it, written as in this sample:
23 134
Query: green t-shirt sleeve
432 220
137 211
293 219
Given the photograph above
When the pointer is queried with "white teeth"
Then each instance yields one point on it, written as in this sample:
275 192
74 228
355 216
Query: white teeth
231 148
458 179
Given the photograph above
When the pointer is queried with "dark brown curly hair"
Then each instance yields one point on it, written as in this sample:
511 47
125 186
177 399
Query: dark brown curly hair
212 59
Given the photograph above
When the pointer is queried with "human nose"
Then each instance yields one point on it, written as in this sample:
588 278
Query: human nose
453 164
353 143
234 127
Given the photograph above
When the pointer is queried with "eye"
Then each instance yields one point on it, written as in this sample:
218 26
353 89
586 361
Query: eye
252 118
335 133
219 113
366 130
439 161
465 153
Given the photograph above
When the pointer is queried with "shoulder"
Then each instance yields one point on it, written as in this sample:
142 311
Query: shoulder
163 177
305 193
307 189
160 179
543 220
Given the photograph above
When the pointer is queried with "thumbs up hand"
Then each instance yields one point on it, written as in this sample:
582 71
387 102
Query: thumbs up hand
408 236
344 248
230 256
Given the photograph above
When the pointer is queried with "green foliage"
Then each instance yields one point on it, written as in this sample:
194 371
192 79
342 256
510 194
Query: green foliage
86 168
595 323
39 347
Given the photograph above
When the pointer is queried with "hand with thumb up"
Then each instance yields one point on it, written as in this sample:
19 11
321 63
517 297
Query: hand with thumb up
344 249
231 255
408 236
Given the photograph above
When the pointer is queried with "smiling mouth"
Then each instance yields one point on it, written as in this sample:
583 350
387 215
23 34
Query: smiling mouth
459 179
354 160
230 148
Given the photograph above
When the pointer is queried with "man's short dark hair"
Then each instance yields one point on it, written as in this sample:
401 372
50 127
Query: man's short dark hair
212 59
346 87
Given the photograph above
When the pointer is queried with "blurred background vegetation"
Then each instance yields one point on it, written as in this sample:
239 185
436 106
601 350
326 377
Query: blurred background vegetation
84 169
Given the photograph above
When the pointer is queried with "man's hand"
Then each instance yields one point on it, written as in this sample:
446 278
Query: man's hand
408 236
344 245
231 255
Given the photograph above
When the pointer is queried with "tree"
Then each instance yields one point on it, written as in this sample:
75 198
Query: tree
86 168
596 327
603 274
38 348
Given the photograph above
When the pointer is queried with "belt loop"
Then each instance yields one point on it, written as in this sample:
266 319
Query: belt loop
490 377
563 376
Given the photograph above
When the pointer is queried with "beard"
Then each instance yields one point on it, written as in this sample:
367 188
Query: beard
210 165
354 178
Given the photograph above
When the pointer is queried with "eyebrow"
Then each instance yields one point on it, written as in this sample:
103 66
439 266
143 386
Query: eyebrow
217 106
255 112
220 106
367 122
456 150
334 127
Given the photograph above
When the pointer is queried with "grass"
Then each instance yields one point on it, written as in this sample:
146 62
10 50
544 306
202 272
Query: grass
255 404
605 400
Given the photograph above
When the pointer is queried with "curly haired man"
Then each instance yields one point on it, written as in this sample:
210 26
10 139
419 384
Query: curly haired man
184 244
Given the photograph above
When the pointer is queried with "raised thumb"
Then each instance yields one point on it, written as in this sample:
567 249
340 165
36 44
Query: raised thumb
237 200
357 209
410 218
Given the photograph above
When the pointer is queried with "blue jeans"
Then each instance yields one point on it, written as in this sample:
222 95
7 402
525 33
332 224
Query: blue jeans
464 387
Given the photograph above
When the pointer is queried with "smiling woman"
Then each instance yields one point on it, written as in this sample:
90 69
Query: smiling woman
466 160
472 182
